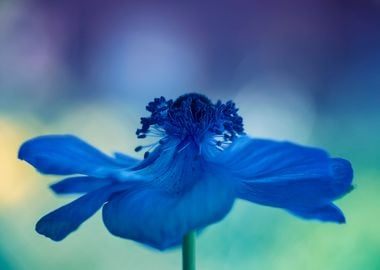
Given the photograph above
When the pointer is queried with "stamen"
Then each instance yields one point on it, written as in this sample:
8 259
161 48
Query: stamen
190 118
138 148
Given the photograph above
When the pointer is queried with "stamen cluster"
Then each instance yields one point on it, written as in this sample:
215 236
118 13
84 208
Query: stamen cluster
191 117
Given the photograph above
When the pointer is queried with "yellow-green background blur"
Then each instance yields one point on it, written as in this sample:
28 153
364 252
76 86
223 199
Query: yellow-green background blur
305 71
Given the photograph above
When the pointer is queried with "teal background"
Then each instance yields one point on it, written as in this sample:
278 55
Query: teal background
305 72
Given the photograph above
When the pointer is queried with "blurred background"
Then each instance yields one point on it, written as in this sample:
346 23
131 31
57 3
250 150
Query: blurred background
306 71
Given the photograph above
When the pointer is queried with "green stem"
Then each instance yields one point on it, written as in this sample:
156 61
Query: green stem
188 251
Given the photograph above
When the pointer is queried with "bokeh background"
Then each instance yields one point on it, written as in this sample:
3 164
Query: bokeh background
306 71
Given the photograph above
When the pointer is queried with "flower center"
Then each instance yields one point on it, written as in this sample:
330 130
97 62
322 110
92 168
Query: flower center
190 118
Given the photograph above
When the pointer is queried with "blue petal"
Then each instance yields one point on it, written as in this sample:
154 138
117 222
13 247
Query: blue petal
66 154
80 184
125 160
302 190
160 219
328 212
59 223
286 175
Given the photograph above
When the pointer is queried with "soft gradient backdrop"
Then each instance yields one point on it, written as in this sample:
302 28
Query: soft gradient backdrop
306 71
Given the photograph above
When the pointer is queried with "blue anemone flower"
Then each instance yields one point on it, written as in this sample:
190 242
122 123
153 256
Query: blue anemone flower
189 179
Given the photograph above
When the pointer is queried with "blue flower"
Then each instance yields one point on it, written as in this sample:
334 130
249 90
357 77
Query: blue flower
188 179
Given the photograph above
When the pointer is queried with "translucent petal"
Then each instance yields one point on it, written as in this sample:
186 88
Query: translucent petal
328 212
159 219
286 175
66 154
62 221
125 160
80 184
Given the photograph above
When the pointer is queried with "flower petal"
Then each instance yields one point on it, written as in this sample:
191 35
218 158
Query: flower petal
125 160
289 191
80 184
159 219
62 221
286 175
329 212
66 154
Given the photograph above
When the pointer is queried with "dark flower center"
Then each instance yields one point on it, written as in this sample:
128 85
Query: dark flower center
195 101
191 117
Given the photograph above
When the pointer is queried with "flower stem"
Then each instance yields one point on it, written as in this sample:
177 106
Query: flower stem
188 251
